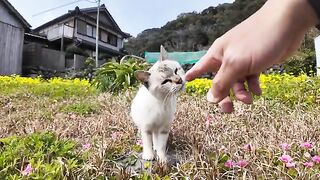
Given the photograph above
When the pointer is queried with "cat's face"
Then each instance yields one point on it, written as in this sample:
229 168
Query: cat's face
164 78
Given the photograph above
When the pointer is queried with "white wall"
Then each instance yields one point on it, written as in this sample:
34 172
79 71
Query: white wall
317 46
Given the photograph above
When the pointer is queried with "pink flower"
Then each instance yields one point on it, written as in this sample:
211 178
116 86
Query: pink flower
86 146
115 135
139 142
229 164
306 145
242 163
285 146
308 164
209 119
307 155
285 158
248 147
316 159
27 170
290 164
73 116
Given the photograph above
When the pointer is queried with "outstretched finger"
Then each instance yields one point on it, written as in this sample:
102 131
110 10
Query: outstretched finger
226 105
223 81
210 62
241 93
206 64
254 85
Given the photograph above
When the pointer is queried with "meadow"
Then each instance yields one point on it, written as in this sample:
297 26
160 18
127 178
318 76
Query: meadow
67 129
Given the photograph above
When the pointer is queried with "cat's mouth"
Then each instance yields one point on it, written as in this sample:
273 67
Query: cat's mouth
180 88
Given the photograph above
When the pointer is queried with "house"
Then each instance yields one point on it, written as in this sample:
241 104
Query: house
12 29
76 31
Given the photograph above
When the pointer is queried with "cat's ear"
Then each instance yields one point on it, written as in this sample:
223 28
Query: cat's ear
163 54
143 76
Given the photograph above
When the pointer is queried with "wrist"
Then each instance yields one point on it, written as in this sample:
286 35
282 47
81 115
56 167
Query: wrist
315 4
301 13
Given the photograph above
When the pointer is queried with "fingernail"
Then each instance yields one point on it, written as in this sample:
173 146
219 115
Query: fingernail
211 98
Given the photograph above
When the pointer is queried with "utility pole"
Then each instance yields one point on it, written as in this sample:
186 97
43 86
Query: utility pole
62 36
97 35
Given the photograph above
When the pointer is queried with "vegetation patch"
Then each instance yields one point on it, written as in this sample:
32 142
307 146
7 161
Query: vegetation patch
81 108
39 156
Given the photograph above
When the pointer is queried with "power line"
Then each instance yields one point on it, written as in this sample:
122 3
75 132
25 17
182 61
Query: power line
91 1
58 7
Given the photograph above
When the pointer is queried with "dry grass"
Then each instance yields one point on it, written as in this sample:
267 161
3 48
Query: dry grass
196 147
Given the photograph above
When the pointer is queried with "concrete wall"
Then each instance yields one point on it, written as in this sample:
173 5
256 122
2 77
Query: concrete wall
77 63
36 56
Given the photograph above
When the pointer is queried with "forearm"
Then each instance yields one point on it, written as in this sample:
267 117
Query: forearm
298 14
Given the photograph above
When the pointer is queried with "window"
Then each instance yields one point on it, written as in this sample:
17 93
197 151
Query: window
86 29
91 31
104 36
82 27
113 40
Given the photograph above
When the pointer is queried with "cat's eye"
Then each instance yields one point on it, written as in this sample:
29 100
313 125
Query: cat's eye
166 81
176 71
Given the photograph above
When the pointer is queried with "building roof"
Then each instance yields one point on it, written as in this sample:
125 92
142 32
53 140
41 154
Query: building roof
17 14
84 12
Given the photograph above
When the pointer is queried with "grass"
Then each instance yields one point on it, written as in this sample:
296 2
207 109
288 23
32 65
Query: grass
201 140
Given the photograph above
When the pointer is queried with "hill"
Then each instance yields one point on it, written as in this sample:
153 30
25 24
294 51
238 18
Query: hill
195 30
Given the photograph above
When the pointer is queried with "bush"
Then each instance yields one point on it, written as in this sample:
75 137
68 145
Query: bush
85 73
70 51
46 155
304 62
198 86
56 88
114 77
285 88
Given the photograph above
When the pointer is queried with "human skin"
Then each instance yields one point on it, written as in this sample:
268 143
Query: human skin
268 37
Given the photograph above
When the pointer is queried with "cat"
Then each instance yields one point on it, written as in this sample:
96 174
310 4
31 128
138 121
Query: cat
154 105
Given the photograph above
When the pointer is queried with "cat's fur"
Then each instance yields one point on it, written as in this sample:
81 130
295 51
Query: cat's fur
154 106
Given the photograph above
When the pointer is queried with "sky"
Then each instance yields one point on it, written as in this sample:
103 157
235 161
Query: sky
132 16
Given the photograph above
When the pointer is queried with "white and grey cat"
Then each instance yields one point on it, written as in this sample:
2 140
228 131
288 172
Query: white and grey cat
154 106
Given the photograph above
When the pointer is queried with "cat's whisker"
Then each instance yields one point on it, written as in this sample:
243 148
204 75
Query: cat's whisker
166 97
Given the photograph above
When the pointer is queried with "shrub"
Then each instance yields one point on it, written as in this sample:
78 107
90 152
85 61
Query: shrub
85 73
56 88
286 88
70 51
198 86
114 77
46 155
304 62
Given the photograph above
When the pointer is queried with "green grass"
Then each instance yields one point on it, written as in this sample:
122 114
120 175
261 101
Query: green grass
50 157
83 107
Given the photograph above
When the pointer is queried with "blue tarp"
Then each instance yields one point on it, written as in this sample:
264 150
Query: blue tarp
181 57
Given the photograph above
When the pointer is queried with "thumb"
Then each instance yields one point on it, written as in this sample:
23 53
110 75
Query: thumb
208 63
222 83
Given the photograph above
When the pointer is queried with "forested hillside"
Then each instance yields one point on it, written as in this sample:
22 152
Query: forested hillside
194 31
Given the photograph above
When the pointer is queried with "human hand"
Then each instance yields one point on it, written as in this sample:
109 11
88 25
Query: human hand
268 37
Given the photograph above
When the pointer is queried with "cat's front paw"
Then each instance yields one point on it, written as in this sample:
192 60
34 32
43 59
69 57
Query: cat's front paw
162 158
149 156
